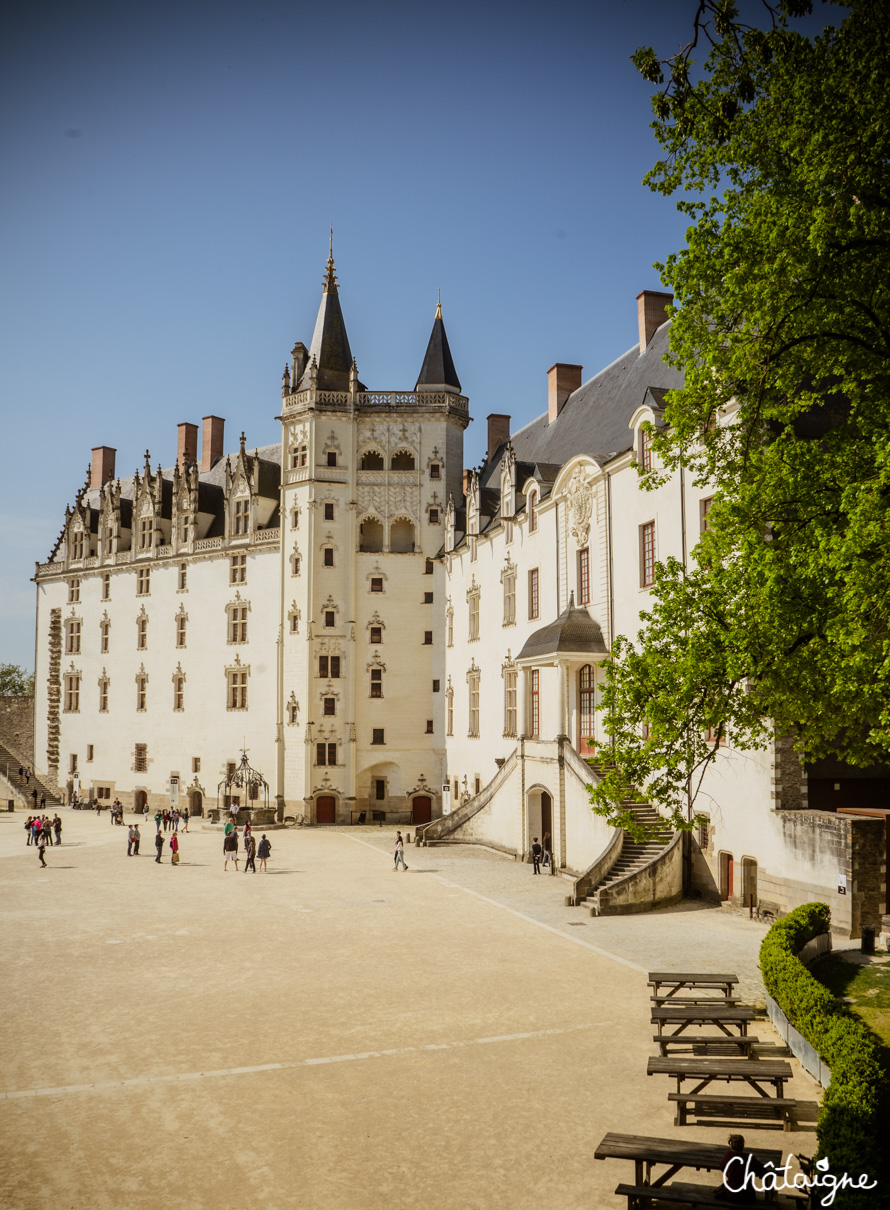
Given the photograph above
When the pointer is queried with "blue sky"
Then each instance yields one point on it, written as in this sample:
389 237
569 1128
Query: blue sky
170 172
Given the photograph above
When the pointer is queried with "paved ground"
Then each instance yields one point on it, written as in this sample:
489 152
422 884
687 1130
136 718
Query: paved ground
329 1035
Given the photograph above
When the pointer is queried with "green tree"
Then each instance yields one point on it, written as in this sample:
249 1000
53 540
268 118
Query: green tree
778 146
15 681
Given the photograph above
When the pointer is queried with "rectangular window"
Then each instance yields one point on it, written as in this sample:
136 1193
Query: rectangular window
376 583
324 666
72 638
712 733
242 517
328 556
647 554
449 626
510 677
584 576
103 696
379 789
435 686
72 693
77 544
141 692
183 577
141 634
428 568
332 458
140 760
295 565
238 624
196 764
335 667
704 507
104 634
377 735
143 581
533 602
73 592
326 754
184 528
238 569
473 601
645 448
376 634
704 832
534 684
237 696
435 470
434 516
330 706
473 682
376 682
106 587
180 630
109 538
510 598
429 726
145 528
328 512
330 618
427 598
89 752
427 638
72 763
449 712
179 693
295 519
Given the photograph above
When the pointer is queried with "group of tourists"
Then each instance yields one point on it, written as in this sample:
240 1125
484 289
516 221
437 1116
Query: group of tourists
40 830
171 819
252 850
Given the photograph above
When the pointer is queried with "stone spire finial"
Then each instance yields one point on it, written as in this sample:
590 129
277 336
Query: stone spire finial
330 277
242 441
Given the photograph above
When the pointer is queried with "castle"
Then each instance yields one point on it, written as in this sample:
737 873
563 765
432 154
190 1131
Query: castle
393 637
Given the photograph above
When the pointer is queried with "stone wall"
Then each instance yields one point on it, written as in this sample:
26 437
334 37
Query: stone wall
789 779
17 727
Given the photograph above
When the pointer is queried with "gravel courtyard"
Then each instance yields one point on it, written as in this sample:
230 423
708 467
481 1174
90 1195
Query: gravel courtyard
330 1034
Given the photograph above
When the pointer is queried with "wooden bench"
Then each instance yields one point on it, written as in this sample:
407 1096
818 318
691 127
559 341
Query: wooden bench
726 1105
673 1154
707 1042
718 1001
694 980
641 1197
684 1015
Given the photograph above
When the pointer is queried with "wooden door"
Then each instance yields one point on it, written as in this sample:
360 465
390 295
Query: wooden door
325 809
421 809
726 872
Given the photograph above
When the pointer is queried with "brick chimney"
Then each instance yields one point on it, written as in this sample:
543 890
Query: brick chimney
562 379
103 465
186 443
498 431
212 441
651 313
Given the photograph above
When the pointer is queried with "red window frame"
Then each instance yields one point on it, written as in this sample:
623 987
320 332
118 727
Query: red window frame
647 554
584 576
534 688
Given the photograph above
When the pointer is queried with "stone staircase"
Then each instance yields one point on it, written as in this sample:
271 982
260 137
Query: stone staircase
23 792
626 858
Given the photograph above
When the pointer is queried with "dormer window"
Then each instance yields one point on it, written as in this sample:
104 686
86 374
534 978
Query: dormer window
533 512
241 517
645 449
77 544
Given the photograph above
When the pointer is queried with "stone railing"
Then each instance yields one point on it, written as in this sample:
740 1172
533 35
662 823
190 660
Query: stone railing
163 552
385 400
267 535
208 544
50 569
437 829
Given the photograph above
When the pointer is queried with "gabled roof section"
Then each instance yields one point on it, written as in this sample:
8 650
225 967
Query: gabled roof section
438 372
594 419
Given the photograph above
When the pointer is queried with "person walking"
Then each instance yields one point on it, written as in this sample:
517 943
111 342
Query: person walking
159 845
547 846
42 802
36 829
137 836
28 776
29 823
41 847
57 827
34 797
399 852
536 857
158 820
131 838
249 854
263 851
185 819
230 849
21 774
174 849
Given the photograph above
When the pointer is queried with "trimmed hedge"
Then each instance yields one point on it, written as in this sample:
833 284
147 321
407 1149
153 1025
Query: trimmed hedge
848 1118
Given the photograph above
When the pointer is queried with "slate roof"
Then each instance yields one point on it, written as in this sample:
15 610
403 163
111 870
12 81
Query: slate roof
438 367
594 419
573 633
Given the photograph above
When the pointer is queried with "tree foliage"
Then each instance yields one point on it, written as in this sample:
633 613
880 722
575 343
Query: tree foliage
778 146
15 681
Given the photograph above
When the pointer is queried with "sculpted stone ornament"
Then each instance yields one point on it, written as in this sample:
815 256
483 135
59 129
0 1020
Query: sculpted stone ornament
579 495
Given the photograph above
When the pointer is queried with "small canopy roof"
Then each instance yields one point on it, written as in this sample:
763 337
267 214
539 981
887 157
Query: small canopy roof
573 633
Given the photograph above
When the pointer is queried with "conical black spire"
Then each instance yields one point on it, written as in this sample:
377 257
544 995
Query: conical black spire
330 344
437 371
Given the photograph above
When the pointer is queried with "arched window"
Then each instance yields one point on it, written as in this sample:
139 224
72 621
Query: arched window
586 704
370 535
372 461
532 512
402 460
401 536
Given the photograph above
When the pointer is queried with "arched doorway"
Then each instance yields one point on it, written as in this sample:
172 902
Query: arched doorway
326 809
586 705
196 803
540 815
140 802
421 809
726 875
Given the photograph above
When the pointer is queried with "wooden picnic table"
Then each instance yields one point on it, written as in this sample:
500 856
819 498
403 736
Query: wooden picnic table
674 1155
759 1074
678 981
720 1015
